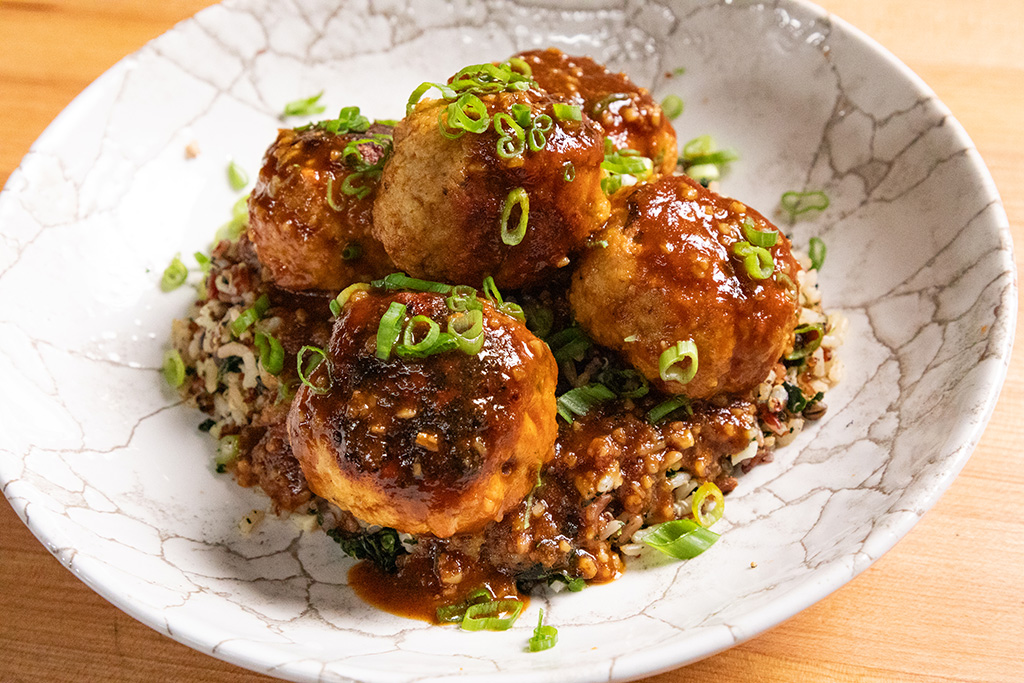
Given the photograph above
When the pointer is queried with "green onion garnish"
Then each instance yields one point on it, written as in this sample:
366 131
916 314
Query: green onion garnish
174 275
467 328
708 504
348 186
174 368
271 352
569 344
521 66
580 400
717 158
250 315
468 113
567 112
403 281
511 135
678 363
625 167
759 238
452 614
516 197
389 329
536 138
607 101
319 356
808 339
306 106
227 452
756 260
702 160
352 251
488 616
698 146
796 203
544 637
816 250
237 177
568 172
339 301
429 339
349 120
521 113
682 539
492 294
665 408
672 106
463 298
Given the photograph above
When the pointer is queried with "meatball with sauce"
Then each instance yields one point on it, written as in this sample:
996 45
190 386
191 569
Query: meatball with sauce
440 444
678 268
441 201
627 113
310 230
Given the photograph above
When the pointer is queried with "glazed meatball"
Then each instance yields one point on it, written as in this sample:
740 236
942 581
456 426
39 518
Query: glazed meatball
308 232
438 445
440 204
676 270
627 113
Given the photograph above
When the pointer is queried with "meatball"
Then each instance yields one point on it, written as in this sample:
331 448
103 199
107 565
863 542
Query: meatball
627 113
676 270
440 204
438 445
309 233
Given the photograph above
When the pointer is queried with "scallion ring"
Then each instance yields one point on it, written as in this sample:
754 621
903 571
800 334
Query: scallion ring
463 298
672 106
174 275
757 261
759 238
495 615
816 250
808 339
516 197
678 363
359 191
389 329
271 352
544 637
403 281
535 139
330 195
237 177
352 251
708 504
339 301
567 112
174 368
227 452
428 340
469 113
250 316
319 357
512 136
796 203
467 327
666 408
568 172
453 614
520 65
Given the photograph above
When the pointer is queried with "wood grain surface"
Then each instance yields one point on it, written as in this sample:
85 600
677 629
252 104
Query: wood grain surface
947 604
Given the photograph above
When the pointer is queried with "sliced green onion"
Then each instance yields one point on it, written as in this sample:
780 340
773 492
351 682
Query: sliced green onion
756 260
672 106
205 264
250 315
421 90
608 100
319 356
512 136
330 195
343 297
174 368
665 408
352 251
759 238
796 203
174 275
306 106
468 113
567 112
682 539
520 64
544 637
816 250
516 197
389 329
521 113
227 452
463 298
350 189
568 172
237 177
349 120
403 281
429 339
678 363
708 504
487 616
580 400
492 294
535 139
467 328
698 146
452 614
569 344
717 158
808 339
271 352
704 173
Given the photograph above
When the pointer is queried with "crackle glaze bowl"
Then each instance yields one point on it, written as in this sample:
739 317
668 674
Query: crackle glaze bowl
106 467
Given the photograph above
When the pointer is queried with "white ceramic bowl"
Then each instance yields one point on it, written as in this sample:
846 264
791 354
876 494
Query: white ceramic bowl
109 471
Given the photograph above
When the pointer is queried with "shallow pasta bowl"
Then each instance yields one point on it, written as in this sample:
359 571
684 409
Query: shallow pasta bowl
108 470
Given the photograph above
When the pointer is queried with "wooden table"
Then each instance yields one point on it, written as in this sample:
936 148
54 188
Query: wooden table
946 604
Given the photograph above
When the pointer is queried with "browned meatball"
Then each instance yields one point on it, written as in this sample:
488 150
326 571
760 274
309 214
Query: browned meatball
435 445
440 204
627 112
302 240
671 273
